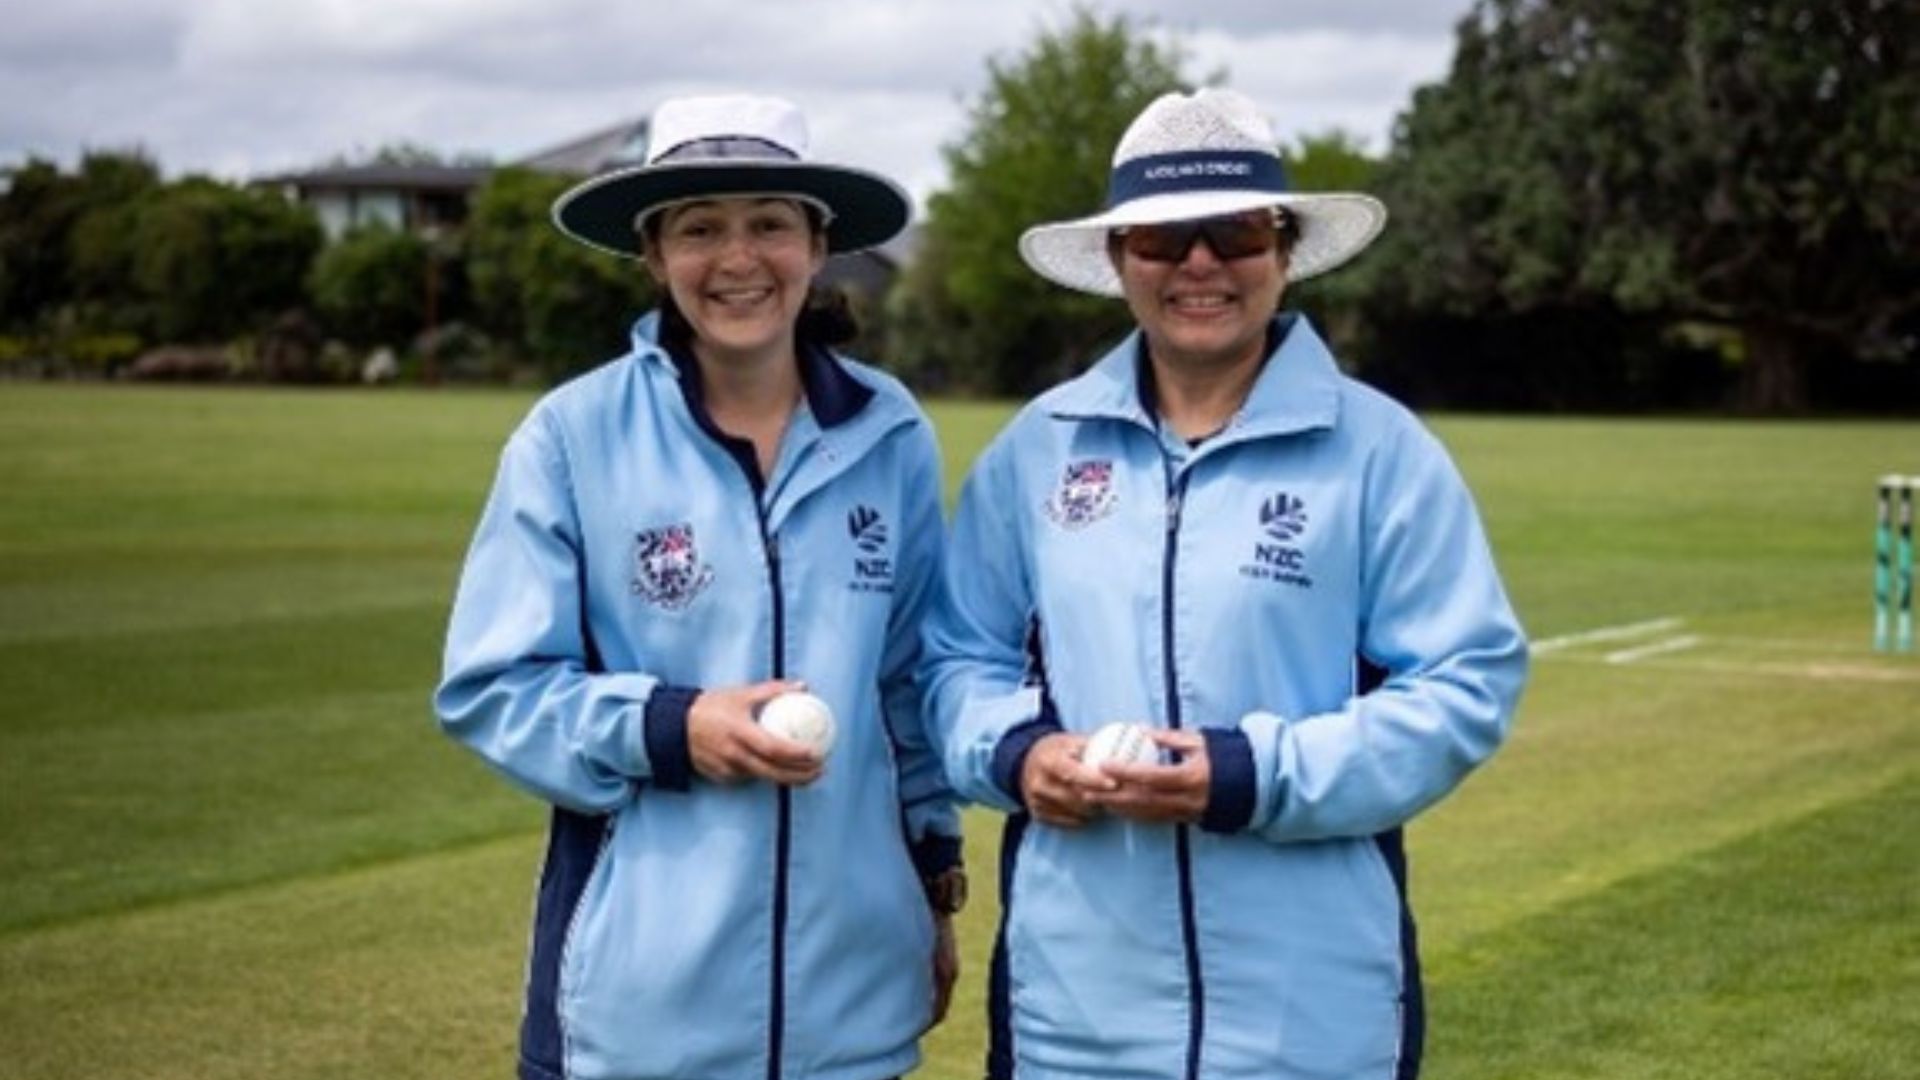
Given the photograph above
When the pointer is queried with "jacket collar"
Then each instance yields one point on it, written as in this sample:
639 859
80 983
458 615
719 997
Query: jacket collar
833 394
848 412
1298 388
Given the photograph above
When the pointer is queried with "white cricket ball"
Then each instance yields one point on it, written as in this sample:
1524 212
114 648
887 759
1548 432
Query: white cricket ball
800 716
1121 742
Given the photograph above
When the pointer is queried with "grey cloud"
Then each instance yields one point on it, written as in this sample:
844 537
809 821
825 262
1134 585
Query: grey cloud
243 86
1408 17
70 37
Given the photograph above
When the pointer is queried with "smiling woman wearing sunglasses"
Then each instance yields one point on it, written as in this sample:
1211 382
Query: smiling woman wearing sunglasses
1277 570
1204 292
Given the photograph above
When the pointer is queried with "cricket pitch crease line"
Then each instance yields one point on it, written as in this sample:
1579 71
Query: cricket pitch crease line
1605 633
1638 652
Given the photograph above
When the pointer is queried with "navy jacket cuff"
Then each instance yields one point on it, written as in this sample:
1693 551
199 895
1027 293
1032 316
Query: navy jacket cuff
1010 757
1231 793
666 732
934 853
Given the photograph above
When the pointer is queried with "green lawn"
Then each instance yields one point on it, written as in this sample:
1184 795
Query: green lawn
235 844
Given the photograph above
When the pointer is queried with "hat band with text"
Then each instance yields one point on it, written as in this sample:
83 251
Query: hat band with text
1198 170
727 148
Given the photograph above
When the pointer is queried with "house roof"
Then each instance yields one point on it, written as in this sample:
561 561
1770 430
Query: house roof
624 143
611 147
905 244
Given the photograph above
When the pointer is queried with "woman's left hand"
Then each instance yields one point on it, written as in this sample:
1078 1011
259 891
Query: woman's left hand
946 967
1175 793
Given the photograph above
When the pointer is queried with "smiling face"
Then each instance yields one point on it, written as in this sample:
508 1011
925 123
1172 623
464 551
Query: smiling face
739 270
1200 311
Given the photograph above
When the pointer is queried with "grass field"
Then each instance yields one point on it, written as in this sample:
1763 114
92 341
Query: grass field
233 843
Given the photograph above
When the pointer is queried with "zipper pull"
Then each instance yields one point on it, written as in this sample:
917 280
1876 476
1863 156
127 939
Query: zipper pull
1173 510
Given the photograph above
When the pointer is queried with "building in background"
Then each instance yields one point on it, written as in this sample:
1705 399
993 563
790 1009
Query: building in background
422 199
610 148
433 200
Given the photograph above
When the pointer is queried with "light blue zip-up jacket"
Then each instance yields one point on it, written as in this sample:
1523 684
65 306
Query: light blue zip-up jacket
625 560
1311 589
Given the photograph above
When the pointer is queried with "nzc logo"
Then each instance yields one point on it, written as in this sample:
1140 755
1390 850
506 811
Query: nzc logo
868 531
1283 518
872 569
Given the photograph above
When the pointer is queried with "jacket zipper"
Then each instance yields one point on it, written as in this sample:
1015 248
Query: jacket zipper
1196 990
742 454
783 824
776 1013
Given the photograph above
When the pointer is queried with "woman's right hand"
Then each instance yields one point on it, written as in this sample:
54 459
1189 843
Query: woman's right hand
1056 785
728 744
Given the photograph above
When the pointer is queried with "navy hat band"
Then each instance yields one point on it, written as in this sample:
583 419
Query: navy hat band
1198 170
727 148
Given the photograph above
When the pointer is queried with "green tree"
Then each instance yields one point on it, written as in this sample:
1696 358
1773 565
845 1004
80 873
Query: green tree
370 286
54 230
111 248
210 260
37 212
1038 147
1744 163
406 154
1333 160
569 306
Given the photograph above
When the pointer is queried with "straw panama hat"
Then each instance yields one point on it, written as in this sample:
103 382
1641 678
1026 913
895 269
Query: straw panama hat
728 146
1192 156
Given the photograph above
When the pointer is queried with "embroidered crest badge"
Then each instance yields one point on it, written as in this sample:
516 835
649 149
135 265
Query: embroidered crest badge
667 570
1085 494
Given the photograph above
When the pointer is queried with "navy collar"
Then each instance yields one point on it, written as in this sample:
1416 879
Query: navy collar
1277 329
833 394
1298 388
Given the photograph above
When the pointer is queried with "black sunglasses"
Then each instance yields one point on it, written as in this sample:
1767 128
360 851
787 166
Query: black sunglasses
1230 236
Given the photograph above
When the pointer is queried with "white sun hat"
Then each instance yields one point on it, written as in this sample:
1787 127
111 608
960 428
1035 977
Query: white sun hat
1199 155
724 146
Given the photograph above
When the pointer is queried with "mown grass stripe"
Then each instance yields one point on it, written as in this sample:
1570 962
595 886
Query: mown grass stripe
220 619
1788 953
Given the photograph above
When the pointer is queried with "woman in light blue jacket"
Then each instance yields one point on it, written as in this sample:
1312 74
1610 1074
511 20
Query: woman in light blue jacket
1215 534
726 513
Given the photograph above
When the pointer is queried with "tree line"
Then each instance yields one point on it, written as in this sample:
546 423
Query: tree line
1605 204
100 264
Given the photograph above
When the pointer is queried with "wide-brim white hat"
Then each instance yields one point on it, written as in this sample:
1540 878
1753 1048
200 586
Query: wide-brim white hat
726 146
1190 156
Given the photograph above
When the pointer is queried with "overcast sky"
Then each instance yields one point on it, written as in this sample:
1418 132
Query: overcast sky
241 88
